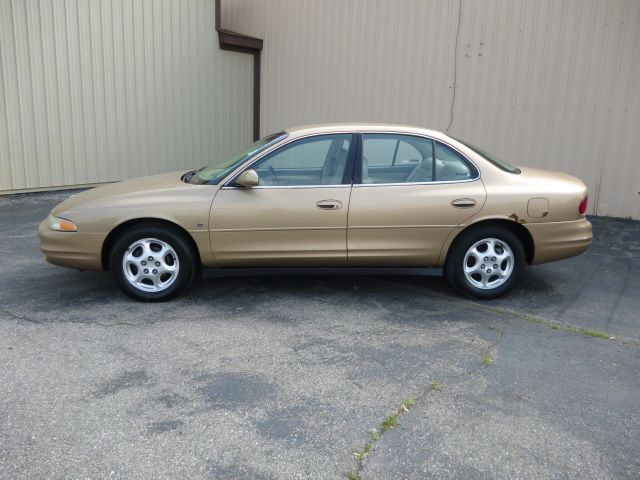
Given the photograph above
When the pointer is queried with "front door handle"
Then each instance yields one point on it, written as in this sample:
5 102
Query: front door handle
463 202
329 204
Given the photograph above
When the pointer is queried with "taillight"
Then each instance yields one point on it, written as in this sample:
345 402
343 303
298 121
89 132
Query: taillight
583 205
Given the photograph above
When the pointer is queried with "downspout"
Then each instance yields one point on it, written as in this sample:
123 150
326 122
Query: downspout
236 42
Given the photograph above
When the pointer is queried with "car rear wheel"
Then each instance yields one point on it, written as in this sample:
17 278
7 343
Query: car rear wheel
486 262
153 263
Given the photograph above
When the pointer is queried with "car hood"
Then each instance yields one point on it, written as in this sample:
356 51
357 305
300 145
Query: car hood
142 186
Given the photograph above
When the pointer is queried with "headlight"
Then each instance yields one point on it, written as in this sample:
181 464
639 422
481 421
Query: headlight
61 225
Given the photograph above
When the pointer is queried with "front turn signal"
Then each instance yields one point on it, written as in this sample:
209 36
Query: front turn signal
61 224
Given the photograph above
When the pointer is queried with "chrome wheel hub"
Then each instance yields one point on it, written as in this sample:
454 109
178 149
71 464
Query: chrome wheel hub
488 263
150 265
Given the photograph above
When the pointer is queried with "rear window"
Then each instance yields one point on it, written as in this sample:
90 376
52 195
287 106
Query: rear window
501 164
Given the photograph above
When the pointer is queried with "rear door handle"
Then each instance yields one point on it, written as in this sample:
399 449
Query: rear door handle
329 204
463 202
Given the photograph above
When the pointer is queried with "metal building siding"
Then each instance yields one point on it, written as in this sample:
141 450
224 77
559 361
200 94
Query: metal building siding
546 83
100 90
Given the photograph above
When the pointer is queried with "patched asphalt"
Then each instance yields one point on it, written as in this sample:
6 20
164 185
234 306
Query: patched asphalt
286 376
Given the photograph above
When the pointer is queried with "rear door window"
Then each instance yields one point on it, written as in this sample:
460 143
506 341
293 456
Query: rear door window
392 158
451 166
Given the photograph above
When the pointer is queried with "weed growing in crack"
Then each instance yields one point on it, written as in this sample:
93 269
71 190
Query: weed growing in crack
558 326
408 403
436 386
364 451
597 334
387 424
487 360
354 475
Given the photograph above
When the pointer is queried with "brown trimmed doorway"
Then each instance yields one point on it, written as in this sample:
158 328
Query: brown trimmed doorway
236 42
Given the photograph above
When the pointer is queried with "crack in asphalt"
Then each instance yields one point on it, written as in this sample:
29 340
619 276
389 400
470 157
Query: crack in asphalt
518 315
620 292
15 316
387 424
491 349
531 318
404 408
562 327
122 323
515 314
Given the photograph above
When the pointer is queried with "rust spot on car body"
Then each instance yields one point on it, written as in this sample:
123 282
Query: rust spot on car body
515 218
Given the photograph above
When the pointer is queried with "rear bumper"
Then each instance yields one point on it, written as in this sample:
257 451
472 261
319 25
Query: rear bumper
71 249
557 240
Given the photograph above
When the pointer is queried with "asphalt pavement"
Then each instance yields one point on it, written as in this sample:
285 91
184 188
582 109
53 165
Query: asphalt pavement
319 376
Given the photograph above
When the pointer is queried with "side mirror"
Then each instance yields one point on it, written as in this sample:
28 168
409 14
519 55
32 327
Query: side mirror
248 178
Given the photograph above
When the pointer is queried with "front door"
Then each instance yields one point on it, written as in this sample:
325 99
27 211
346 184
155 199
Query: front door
404 204
296 216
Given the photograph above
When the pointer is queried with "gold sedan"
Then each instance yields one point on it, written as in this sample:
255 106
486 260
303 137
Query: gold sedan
331 196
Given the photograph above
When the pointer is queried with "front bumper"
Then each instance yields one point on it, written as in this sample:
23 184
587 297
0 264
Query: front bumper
71 249
557 240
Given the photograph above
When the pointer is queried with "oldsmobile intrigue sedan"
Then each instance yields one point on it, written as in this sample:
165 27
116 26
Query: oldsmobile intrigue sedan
331 195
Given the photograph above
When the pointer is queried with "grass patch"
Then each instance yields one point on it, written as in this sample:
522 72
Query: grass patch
387 424
597 334
364 451
487 360
589 332
408 403
436 386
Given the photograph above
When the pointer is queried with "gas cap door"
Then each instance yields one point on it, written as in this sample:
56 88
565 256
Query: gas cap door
538 207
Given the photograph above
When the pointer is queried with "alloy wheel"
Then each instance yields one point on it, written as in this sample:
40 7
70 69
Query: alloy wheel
150 265
488 263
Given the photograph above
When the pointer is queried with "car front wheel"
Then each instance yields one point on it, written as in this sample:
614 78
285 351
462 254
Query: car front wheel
152 263
486 262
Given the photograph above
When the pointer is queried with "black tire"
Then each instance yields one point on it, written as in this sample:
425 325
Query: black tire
186 261
455 263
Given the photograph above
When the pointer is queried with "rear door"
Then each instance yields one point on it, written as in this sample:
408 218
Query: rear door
409 193
297 216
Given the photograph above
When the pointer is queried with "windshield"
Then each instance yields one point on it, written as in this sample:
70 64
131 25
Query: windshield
501 164
214 173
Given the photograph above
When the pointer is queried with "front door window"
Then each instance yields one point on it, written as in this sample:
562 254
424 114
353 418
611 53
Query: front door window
318 160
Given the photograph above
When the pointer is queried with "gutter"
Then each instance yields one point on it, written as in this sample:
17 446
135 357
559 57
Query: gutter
237 42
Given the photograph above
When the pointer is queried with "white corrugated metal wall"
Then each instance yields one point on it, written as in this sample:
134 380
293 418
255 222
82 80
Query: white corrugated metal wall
100 90
547 83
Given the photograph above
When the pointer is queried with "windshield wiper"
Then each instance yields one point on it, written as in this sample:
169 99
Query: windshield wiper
189 175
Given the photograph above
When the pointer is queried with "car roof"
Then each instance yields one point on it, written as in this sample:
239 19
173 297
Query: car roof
361 127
